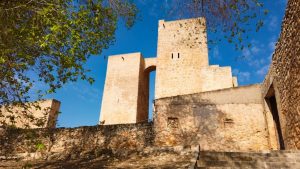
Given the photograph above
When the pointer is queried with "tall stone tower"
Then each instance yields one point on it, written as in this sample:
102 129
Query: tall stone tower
181 53
182 60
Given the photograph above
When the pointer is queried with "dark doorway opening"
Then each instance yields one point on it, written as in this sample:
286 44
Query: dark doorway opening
271 101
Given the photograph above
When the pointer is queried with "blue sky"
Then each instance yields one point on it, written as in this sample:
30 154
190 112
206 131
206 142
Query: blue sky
81 102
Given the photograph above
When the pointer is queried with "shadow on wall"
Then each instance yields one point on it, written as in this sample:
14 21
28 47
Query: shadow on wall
72 143
186 125
194 121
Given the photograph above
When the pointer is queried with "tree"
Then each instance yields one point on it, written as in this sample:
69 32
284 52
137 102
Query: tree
50 41
233 18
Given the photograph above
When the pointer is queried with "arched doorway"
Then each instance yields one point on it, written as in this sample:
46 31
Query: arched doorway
150 74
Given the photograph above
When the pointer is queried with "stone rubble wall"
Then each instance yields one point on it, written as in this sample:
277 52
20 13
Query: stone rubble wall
284 74
64 143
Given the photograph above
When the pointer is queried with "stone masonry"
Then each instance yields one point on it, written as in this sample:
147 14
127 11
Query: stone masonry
283 79
221 120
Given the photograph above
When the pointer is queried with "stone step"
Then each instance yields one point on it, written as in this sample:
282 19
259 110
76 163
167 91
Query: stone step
265 159
201 163
217 157
213 167
247 156
243 164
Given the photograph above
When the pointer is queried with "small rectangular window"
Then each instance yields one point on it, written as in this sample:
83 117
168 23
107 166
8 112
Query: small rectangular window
178 55
172 55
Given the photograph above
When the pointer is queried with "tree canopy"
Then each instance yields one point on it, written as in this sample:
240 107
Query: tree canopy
50 41
234 19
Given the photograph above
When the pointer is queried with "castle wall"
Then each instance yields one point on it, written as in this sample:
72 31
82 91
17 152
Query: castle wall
40 114
284 77
72 143
122 91
223 120
215 77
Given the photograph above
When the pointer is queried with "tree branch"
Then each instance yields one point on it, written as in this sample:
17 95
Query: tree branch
19 6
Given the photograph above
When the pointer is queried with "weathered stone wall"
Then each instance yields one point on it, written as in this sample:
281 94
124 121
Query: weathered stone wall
284 76
65 143
215 77
40 114
224 120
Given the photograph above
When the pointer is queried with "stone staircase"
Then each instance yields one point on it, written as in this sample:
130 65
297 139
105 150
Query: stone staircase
264 160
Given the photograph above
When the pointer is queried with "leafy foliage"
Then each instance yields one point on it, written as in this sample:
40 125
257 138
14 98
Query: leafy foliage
233 18
50 41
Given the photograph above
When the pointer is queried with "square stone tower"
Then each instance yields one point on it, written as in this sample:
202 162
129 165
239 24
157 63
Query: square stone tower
181 52
125 98
182 60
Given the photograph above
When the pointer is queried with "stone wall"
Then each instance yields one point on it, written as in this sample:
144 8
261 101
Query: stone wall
40 114
215 77
224 120
284 76
65 143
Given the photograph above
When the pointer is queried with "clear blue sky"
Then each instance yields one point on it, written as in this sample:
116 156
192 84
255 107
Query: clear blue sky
81 102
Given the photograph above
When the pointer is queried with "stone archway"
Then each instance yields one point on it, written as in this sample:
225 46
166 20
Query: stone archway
147 90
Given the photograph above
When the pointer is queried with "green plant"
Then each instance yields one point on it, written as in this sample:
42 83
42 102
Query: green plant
40 146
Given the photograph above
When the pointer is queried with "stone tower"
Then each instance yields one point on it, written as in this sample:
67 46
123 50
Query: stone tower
182 60
181 53
182 68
